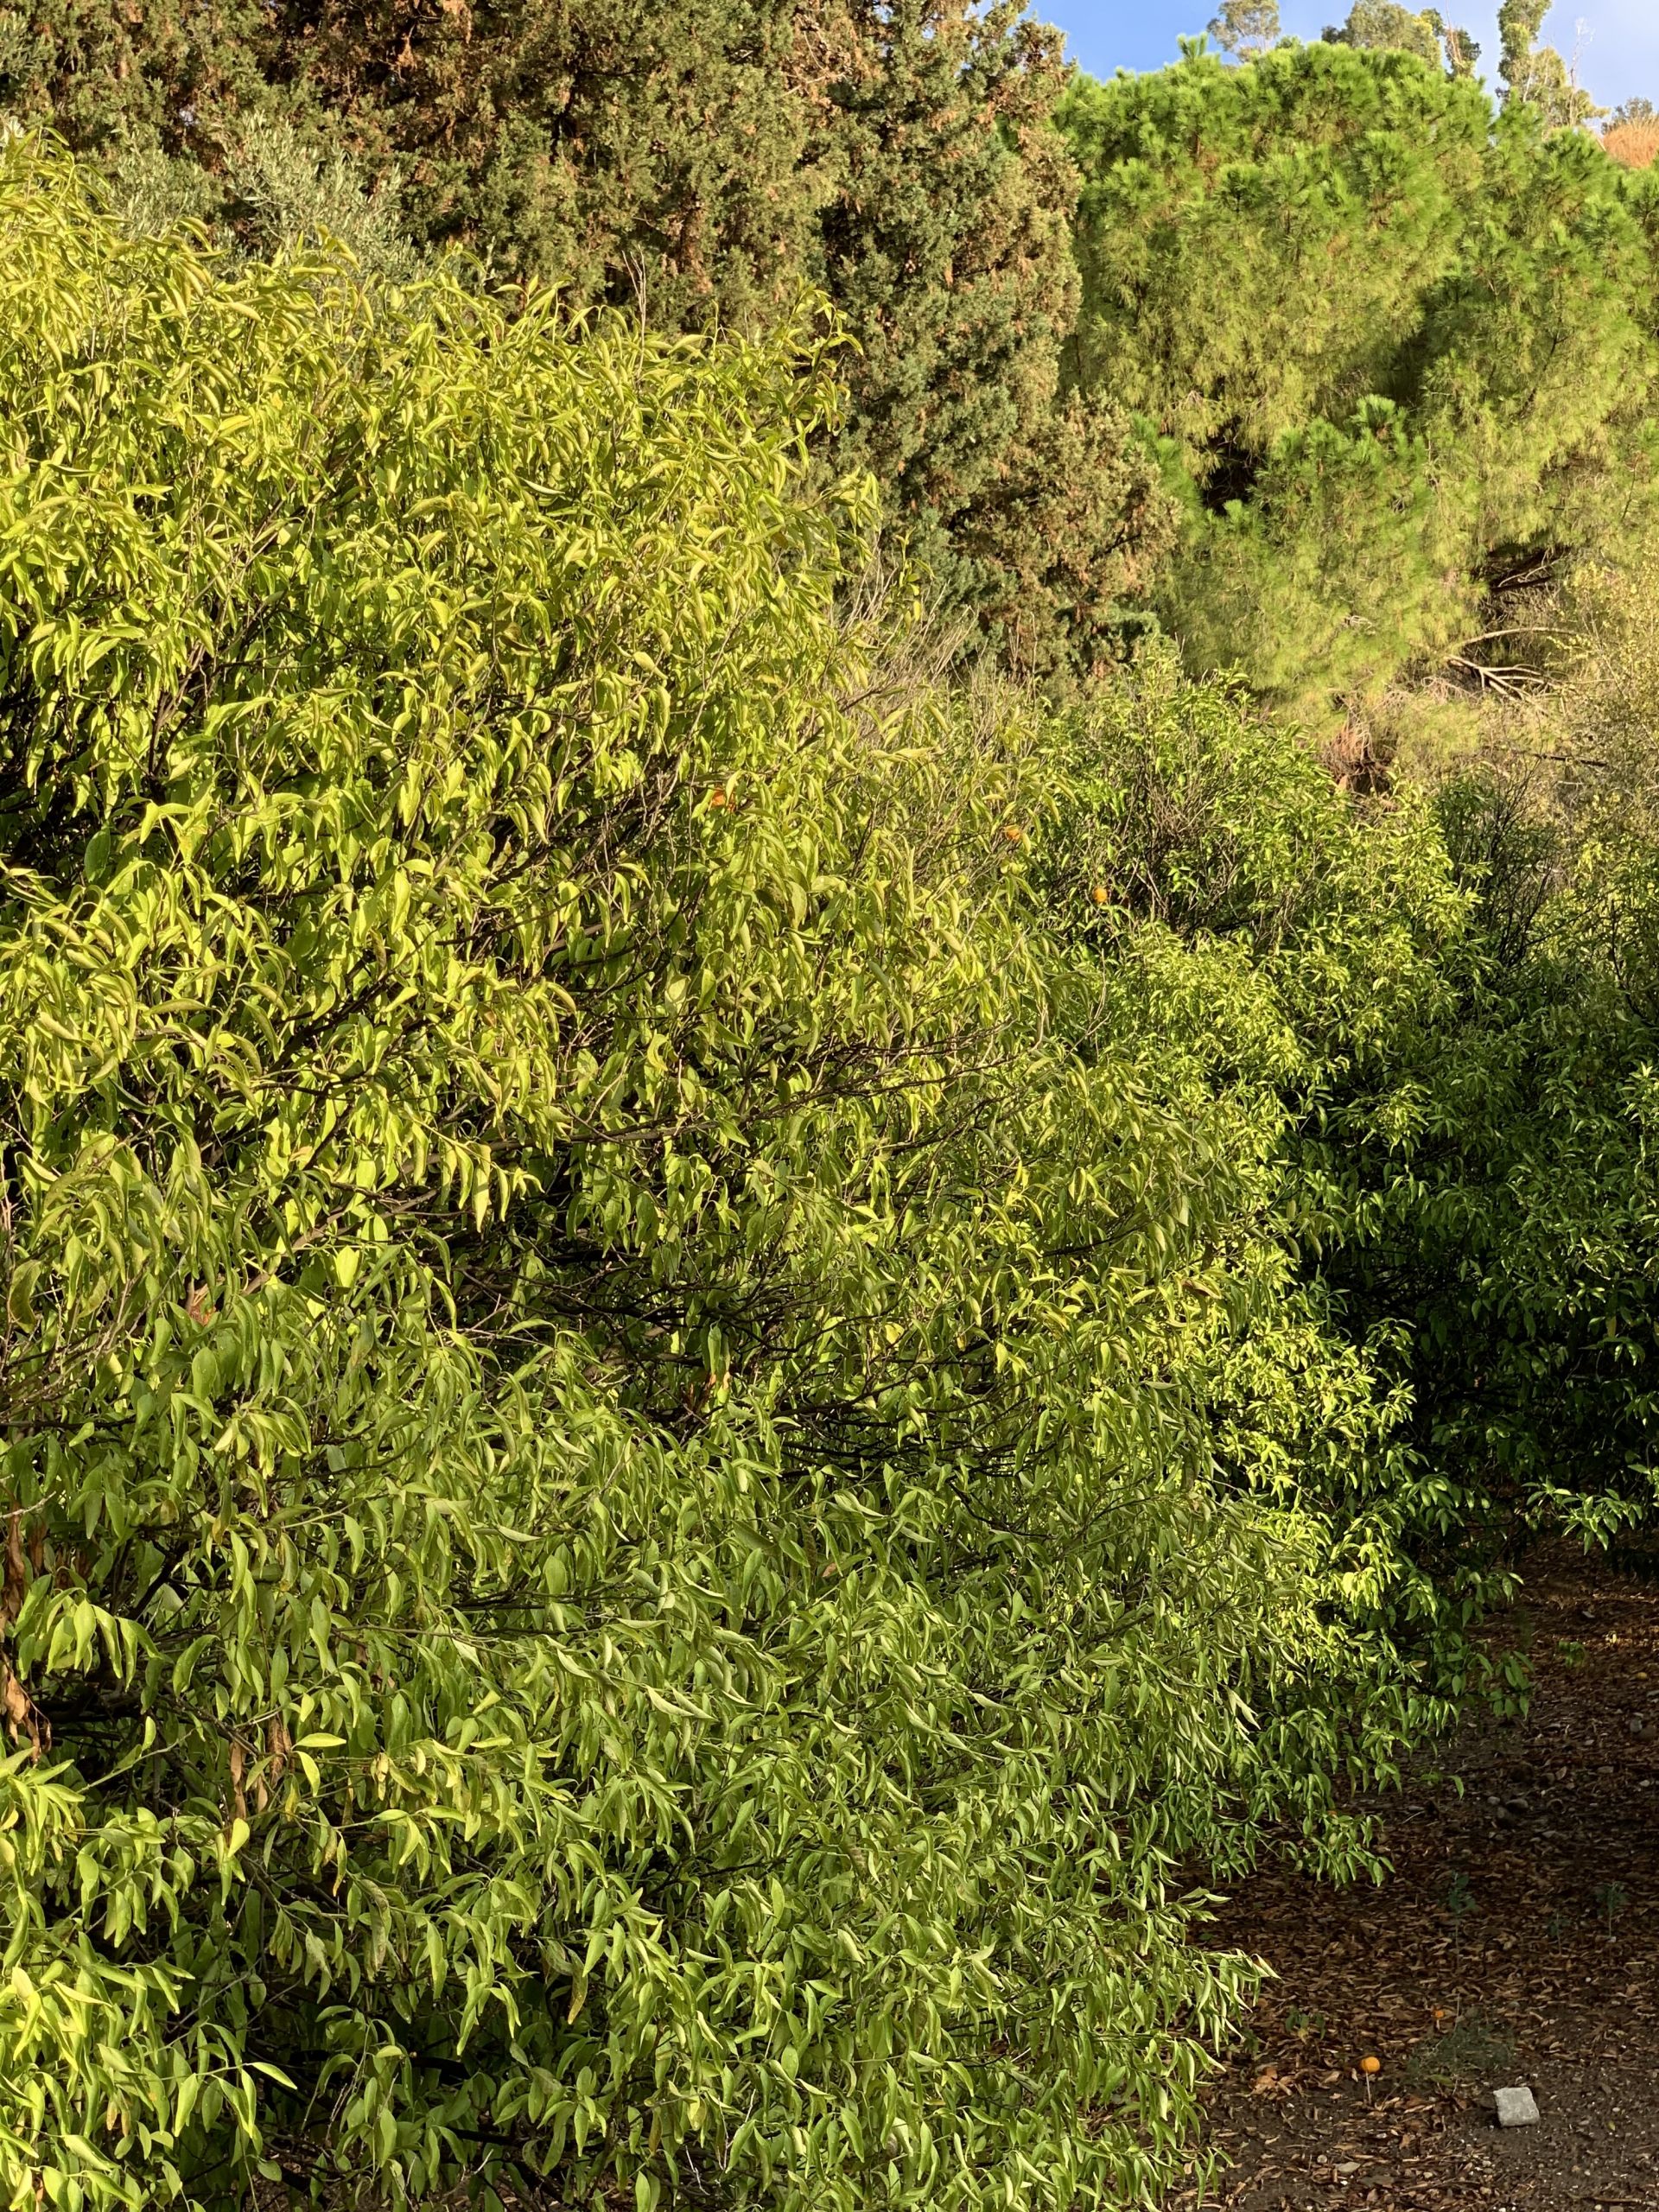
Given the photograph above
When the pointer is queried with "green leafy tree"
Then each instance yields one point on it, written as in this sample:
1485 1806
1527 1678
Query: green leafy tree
1385 23
1534 73
1519 23
1245 27
666 1450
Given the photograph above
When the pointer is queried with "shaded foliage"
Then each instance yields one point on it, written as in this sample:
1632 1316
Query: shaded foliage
1496 1194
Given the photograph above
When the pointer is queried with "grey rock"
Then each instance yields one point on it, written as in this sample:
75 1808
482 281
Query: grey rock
1516 2108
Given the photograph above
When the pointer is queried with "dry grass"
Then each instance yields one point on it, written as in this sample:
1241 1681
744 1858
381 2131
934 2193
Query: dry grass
1634 144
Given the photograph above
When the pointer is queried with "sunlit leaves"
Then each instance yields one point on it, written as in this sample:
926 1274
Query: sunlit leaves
665 1457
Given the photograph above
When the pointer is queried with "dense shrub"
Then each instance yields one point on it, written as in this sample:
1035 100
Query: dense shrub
665 1453
1496 1191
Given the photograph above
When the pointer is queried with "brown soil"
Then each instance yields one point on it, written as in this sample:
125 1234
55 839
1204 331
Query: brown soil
1517 1941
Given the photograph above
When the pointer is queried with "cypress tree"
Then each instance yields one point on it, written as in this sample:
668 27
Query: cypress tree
947 250
677 153
707 160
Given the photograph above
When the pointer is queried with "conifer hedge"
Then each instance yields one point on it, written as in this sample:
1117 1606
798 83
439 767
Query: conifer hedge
701 161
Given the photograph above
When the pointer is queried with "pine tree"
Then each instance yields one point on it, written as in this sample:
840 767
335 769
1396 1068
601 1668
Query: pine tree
1397 349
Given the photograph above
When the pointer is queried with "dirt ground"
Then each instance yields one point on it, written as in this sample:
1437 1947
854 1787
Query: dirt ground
1517 1942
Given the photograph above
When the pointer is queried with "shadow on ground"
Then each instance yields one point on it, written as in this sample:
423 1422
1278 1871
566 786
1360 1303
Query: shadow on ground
1516 1941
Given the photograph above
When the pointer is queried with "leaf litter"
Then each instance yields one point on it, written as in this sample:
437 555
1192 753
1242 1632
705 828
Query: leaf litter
1516 1940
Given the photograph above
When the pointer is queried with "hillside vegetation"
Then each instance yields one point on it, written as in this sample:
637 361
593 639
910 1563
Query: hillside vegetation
761 1275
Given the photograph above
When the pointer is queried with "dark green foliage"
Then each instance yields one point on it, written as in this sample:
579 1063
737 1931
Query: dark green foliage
601 148
1495 1199
677 151
706 161
1060 548
1392 353
1494 1192
161 68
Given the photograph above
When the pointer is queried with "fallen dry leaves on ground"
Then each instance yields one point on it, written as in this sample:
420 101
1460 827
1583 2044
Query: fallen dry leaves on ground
1517 1941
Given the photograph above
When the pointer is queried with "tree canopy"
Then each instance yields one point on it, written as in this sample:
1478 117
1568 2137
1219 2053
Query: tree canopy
1393 352
1386 23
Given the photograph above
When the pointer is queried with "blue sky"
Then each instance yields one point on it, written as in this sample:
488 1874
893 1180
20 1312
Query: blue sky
1616 41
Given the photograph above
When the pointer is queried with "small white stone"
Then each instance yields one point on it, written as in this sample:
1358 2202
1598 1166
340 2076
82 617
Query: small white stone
1517 2108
